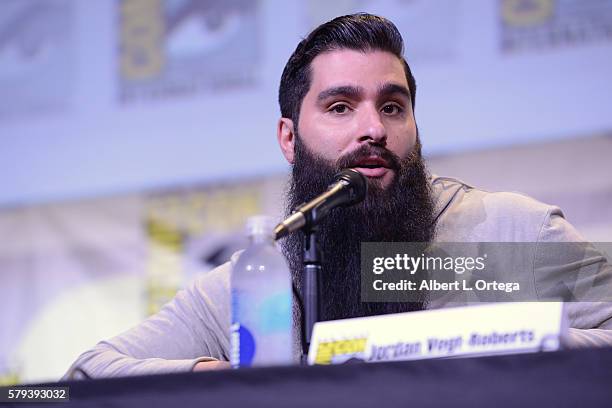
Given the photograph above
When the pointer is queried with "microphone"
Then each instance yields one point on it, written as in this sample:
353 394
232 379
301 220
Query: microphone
348 188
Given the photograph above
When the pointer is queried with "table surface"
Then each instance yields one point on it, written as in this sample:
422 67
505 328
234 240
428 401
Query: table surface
571 378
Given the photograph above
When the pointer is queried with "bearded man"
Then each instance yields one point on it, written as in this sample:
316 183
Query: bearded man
347 99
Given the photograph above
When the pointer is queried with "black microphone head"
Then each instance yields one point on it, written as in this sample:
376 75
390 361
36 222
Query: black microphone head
356 183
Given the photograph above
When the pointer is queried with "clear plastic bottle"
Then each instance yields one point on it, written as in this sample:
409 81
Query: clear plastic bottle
261 330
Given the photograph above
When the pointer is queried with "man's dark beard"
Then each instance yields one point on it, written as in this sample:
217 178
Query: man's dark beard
402 212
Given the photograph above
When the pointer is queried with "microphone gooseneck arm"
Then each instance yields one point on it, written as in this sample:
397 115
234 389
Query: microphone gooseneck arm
311 212
349 187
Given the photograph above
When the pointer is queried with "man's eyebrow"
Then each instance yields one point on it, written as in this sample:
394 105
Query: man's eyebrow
348 91
391 88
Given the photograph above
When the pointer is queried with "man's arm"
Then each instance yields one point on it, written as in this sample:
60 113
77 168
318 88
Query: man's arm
568 266
191 329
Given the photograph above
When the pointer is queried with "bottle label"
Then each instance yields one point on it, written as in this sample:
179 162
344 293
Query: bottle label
261 327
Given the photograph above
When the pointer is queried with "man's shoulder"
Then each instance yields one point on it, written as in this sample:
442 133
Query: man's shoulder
465 212
449 189
213 285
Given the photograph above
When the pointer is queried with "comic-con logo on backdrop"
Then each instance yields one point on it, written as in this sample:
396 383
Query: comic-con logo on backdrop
36 57
181 47
536 25
525 13
193 231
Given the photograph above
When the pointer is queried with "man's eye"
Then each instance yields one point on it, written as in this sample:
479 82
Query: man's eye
339 108
391 109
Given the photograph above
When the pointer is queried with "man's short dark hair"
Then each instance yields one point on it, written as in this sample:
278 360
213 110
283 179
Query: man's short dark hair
361 32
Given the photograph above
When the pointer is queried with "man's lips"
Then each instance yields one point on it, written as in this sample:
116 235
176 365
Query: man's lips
373 166
373 172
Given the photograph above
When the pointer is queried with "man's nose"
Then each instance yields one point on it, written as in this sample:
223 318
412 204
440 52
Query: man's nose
371 127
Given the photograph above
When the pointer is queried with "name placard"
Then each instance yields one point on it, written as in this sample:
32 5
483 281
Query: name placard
500 328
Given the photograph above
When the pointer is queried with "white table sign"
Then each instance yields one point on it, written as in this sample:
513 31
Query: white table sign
500 328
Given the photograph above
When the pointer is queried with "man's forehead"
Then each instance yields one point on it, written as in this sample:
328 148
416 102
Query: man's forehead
342 67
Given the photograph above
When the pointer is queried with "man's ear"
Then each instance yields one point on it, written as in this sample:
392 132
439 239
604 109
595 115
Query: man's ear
286 138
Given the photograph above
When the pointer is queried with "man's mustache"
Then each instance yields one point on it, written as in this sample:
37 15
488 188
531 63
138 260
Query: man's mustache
369 151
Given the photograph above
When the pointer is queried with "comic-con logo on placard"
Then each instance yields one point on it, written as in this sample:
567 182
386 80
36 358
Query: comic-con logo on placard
339 351
535 25
181 47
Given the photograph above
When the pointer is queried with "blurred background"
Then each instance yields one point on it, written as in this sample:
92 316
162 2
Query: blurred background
136 136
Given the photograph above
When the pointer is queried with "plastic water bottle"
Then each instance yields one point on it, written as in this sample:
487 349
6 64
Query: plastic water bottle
261 330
